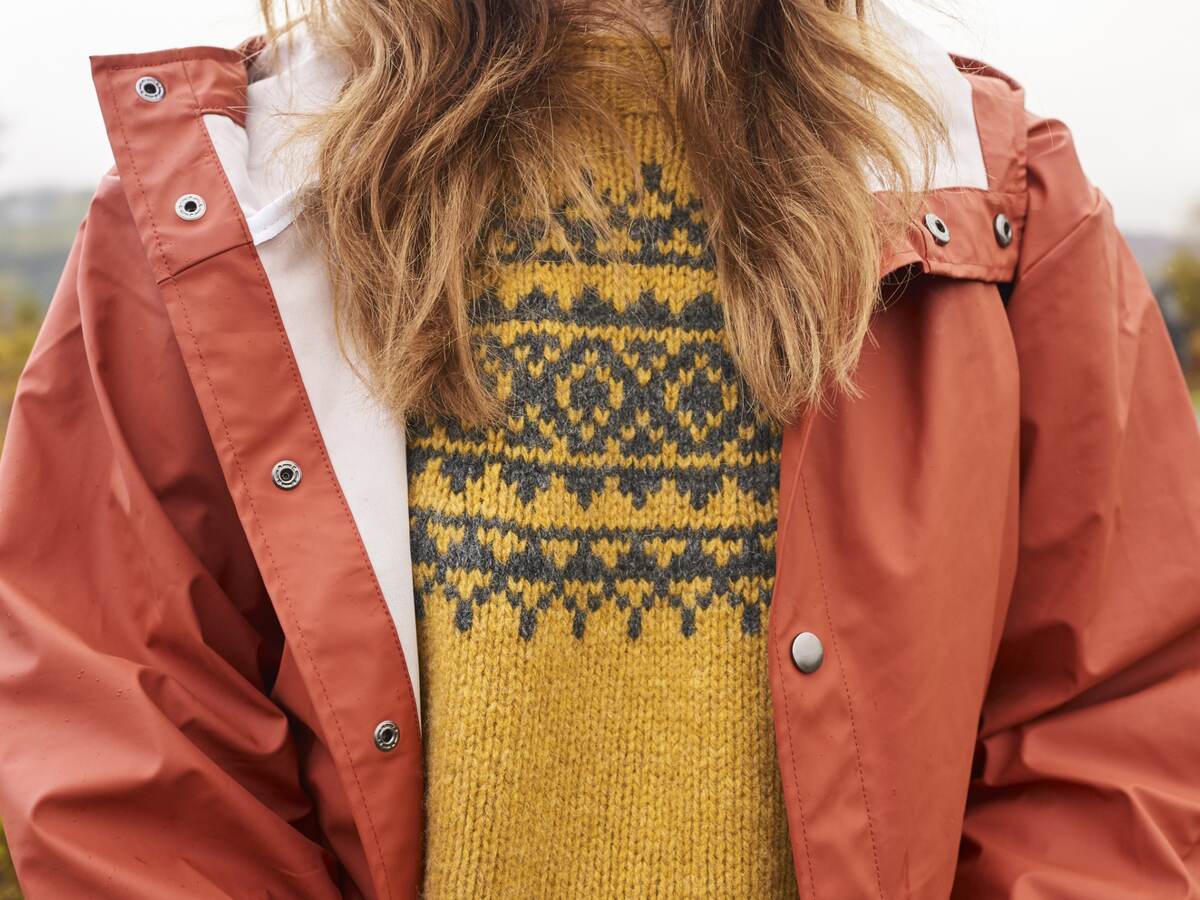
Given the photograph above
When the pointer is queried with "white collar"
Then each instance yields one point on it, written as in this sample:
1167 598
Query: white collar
298 79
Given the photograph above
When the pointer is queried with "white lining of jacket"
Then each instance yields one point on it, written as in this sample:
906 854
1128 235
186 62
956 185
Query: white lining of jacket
365 444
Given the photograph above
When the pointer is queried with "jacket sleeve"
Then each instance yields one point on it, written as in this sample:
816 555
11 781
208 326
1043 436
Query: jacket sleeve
1087 777
140 753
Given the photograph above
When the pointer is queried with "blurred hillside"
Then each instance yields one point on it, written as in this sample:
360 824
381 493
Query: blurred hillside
36 229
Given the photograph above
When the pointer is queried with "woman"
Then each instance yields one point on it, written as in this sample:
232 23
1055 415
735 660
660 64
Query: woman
750 412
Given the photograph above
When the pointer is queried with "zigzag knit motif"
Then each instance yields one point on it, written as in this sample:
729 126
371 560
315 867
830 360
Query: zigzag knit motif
593 576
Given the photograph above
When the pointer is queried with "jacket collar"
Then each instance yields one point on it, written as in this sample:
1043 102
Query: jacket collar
971 184
979 173
251 312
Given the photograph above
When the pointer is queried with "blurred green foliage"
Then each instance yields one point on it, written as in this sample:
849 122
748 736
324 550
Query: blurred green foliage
20 314
1183 277
1183 273
8 878
21 306
1182 282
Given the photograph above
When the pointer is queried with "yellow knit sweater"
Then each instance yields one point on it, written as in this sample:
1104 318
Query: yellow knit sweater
593 578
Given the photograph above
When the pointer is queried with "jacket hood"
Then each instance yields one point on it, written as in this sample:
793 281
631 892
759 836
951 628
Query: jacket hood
297 77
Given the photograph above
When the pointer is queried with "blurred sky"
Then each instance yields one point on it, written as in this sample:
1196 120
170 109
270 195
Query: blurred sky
1121 73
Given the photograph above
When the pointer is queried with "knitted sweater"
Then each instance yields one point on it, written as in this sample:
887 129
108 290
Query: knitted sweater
593 577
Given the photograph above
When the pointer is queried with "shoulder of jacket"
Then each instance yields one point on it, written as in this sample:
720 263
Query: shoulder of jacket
1001 121
1003 118
110 224
114 271
1030 157
1059 196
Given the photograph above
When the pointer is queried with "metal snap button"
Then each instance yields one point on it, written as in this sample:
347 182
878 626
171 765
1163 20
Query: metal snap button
938 228
807 652
190 207
1004 230
286 474
150 89
387 735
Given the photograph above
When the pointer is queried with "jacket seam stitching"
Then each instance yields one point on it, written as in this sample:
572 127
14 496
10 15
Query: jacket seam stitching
210 150
812 875
862 781
201 261
208 380
224 424
158 65
137 176
790 504
265 282
779 665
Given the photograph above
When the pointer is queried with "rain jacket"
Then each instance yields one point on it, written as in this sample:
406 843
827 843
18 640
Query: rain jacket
208 659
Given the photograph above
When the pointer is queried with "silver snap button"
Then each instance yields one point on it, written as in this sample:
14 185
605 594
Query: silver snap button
150 89
387 735
1004 230
286 474
190 207
938 228
807 652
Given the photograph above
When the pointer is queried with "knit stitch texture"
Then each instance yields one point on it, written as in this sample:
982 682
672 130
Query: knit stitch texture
594 576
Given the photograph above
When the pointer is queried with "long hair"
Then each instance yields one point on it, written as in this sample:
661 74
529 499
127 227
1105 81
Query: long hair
454 108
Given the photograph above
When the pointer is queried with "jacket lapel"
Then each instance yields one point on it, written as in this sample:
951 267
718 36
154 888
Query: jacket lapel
251 307
257 403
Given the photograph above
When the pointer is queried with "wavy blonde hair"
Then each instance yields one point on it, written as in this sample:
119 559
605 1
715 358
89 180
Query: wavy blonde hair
455 108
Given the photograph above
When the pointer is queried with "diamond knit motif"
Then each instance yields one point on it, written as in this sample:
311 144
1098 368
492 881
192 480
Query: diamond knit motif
593 576
632 461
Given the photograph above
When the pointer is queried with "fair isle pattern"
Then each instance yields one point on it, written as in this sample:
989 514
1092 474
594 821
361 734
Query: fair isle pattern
593 577
632 470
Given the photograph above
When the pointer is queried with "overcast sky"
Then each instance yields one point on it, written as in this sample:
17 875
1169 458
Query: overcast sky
1121 73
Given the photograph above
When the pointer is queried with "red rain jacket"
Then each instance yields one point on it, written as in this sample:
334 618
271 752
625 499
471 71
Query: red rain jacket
998 546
